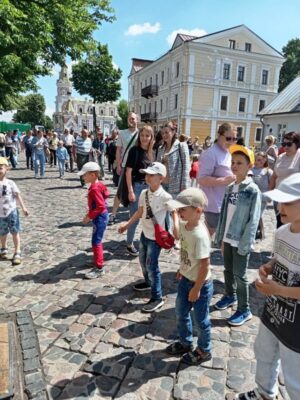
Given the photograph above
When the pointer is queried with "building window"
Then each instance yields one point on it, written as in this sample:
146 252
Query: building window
231 44
149 107
141 85
161 105
242 104
176 101
258 133
101 111
239 131
248 47
111 113
241 73
177 69
262 104
145 82
151 80
144 108
140 110
224 100
80 110
162 77
133 90
155 106
264 77
226 71
167 102
156 79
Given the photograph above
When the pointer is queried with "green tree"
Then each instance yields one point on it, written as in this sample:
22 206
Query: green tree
96 77
36 34
48 123
291 67
31 110
123 115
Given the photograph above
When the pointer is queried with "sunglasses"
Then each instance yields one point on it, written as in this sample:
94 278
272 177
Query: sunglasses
230 139
287 144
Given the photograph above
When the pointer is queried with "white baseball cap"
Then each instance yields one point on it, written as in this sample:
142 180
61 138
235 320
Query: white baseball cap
193 197
90 166
155 168
288 190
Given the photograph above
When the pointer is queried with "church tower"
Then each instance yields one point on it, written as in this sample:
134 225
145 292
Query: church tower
64 89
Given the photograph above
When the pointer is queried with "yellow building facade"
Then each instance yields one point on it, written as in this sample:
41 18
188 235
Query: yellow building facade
227 76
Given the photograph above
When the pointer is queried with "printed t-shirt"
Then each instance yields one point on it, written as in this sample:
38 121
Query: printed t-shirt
157 201
215 162
8 191
232 202
282 314
194 246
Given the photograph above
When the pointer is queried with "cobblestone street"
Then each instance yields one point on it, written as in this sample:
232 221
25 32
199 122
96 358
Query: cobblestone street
95 343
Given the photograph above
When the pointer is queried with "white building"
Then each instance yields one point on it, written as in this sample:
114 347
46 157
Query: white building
76 113
283 113
201 82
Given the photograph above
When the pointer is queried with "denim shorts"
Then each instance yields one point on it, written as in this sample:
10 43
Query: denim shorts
11 223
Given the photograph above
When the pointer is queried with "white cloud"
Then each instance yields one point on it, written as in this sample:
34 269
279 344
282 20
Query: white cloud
192 32
7 116
140 29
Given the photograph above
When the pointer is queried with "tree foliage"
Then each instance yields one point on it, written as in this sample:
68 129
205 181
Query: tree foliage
97 77
32 110
123 114
36 34
291 67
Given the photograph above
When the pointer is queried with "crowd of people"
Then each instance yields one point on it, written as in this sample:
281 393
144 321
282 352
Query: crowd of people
232 187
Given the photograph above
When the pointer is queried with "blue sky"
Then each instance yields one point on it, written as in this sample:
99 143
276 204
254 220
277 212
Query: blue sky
144 28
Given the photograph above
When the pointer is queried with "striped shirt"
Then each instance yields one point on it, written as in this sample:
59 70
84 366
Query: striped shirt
83 146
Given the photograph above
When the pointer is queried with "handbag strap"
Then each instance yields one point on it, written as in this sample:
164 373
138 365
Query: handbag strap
149 213
128 146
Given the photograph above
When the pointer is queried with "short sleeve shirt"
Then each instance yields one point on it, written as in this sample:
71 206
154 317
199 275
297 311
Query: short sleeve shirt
137 159
215 162
123 140
286 166
194 246
8 192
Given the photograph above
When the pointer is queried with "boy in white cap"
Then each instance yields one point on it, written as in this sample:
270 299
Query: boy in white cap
151 200
195 287
278 340
9 214
97 213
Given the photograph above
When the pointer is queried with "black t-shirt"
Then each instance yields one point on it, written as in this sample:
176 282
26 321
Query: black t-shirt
137 159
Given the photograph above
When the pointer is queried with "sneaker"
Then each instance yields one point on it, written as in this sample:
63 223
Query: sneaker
178 349
112 220
251 395
196 357
239 318
95 273
3 253
132 250
153 305
16 260
225 302
141 287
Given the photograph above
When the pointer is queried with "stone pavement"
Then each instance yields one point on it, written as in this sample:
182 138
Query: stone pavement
94 341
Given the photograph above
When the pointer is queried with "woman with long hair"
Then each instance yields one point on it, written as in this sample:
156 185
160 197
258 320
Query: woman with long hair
175 156
140 157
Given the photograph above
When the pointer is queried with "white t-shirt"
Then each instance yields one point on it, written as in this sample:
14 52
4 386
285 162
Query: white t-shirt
8 191
194 246
123 139
232 202
286 166
157 201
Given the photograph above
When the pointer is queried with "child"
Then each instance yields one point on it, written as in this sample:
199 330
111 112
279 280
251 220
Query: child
9 214
194 171
239 218
97 213
62 157
278 337
154 198
195 288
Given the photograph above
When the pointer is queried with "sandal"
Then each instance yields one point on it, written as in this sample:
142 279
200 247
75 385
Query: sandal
196 357
177 348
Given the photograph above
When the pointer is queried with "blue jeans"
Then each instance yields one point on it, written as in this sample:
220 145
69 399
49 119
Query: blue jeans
39 161
149 252
269 352
61 167
133 206
201 314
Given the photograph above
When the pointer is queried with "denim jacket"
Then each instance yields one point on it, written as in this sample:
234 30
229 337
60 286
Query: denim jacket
245 219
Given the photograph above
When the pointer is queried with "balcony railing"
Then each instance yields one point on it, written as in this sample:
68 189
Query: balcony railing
150 91
149 117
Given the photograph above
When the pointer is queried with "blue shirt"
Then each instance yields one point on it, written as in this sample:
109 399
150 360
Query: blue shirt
62 153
